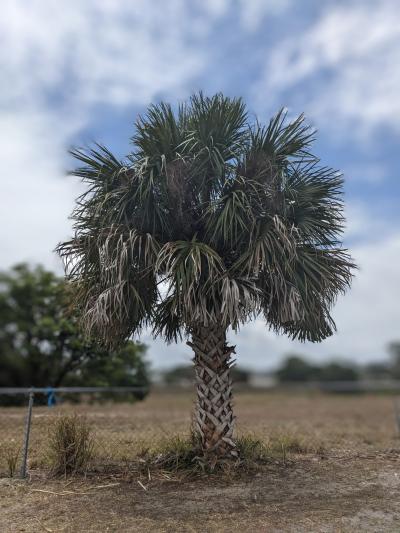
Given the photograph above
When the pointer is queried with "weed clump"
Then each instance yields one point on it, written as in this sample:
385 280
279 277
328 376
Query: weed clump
11 454
183 454
71 445
173 454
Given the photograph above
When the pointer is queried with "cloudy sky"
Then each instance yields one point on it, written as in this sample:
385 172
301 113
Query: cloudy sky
83 72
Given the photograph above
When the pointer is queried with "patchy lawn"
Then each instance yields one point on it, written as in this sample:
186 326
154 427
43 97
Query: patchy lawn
339 471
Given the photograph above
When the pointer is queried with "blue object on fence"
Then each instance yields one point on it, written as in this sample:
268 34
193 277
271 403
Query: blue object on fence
51 397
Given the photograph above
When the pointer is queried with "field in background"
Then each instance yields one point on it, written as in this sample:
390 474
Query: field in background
339 469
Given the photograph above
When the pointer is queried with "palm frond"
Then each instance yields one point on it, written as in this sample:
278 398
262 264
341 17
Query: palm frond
158 133
99 165
302 307
281 140
229 219
234 218
167 320
314 204
241 300
216 136
114 272
191 268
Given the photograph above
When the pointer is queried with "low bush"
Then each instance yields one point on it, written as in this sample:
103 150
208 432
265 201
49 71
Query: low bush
71 445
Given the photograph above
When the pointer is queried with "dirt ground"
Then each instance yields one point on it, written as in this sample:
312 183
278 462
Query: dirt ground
344 478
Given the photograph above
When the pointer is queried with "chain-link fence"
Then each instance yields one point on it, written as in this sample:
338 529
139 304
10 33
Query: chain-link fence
28 417
121 429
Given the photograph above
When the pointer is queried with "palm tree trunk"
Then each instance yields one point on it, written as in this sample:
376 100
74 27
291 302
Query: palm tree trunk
213 418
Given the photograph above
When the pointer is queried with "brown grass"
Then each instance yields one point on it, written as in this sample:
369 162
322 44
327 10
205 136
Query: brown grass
70 445
333 465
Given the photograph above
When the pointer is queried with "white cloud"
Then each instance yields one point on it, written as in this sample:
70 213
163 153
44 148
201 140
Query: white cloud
250 13
367 224
348 58
97 50
121 53
254 11
36 199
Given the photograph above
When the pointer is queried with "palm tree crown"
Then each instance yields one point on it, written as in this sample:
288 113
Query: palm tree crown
210 219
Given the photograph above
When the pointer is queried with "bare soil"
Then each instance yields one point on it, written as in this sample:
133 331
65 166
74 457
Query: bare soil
343 475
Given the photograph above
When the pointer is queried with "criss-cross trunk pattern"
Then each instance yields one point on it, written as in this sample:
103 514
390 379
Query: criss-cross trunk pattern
213 418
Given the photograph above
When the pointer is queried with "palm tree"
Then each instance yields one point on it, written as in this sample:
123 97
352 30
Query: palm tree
209 222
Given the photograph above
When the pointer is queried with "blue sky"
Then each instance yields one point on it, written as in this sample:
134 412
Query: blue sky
82 73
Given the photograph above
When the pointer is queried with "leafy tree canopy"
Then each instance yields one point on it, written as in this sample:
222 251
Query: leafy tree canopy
297 369
186 374
41 343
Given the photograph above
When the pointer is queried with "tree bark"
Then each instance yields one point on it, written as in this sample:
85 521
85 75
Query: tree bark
213 420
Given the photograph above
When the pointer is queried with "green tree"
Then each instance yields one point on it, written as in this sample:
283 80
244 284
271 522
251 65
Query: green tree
40 340
336 371
186 374
179 374
296 369
377 370
208 222
126 367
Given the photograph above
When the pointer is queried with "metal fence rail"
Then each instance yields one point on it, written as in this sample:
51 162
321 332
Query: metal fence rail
46 390
24 429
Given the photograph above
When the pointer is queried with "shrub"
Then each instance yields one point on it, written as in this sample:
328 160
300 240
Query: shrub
11 454
183 454
71 445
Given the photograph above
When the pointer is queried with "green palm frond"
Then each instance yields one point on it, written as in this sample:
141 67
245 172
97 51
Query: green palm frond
209 218
229 218
159 134
281 139
167 320
216 123
314 203
99 164
301 307
191 268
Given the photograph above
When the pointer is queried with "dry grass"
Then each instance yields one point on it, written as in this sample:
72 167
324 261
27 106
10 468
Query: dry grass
11 455
70 445
287 424
182 455
329 463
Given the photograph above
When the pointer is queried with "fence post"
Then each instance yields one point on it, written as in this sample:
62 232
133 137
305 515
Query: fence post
26 435
397 413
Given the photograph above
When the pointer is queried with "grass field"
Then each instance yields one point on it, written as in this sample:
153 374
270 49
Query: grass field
335 466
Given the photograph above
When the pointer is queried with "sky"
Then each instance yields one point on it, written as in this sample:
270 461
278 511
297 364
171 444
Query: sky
82 73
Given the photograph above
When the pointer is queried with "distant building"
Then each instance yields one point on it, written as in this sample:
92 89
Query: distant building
257 380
